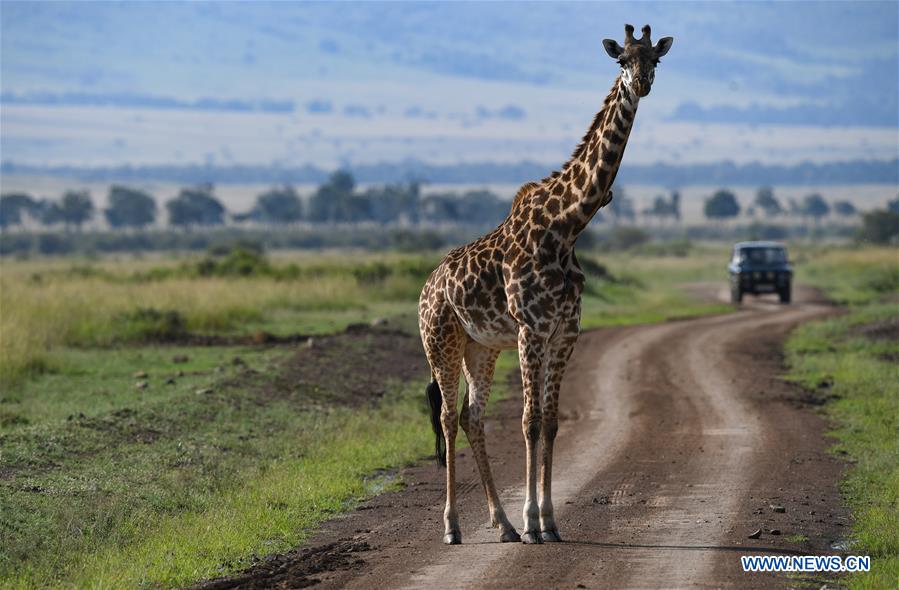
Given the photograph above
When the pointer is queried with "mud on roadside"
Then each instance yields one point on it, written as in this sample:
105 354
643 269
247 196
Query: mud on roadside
353 368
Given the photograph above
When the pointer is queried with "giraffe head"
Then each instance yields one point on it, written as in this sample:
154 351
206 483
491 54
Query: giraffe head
638 58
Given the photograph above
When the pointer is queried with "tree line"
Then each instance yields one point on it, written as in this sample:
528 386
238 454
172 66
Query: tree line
723 204
335 201
338 200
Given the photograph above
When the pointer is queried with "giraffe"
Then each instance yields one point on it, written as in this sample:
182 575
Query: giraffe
520 286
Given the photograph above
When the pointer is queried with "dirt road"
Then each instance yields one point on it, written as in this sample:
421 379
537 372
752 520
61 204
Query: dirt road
678 441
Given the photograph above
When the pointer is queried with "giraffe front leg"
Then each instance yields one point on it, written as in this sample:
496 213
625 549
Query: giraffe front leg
549 531
560 352
478 367
532 354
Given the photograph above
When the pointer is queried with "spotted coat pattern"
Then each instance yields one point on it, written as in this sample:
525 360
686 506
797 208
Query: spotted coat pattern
520 286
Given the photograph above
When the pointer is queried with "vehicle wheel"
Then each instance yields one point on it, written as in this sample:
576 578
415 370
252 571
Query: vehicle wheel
736 294
785 294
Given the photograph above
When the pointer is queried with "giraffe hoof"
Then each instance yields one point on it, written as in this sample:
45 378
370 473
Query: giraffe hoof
531 539
511 536
551 537
453 538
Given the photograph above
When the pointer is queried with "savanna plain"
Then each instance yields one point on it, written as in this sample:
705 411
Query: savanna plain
165 420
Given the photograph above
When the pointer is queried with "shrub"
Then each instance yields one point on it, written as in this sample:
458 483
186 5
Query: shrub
369 274
625 238
767 231
149 323
239 262
595 269
51 244
880 226
416 268
882 280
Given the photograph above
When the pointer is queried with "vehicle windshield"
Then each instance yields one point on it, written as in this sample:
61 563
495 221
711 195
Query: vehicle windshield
763 255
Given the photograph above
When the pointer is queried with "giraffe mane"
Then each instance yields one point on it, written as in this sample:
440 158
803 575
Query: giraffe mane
523 192
597 123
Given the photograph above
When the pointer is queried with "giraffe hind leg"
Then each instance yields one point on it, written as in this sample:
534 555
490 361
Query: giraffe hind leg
444 342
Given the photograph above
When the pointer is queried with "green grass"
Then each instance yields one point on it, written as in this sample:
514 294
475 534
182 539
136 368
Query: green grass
270 512
185 485
93 382
851 276
283 321
59 303
51 304
104 484
165 486
864 372
649 289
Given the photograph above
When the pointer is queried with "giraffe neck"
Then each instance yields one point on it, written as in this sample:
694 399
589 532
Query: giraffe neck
586 178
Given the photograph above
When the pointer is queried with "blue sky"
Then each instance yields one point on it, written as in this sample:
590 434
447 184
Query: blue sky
162 82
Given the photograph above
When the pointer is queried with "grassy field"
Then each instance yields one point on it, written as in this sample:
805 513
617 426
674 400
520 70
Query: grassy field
54 304
854 361
134 456
154 430
224 454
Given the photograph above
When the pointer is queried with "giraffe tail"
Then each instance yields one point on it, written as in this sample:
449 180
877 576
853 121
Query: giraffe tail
435 402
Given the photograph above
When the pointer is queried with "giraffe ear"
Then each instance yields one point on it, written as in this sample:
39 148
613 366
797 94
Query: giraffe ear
612 48
663 46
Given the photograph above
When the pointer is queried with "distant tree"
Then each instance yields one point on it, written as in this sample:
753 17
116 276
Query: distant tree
880 226
394 202
483 207
75 208
354 208
477 207
331 202
196 206
663 208
722 205
621 208
130 207
343 181
278 205
893 205
13 205
765 200
658 209
675 206
844 209
440 207
51 213
815 206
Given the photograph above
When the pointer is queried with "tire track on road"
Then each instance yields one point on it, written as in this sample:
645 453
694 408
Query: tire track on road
663 442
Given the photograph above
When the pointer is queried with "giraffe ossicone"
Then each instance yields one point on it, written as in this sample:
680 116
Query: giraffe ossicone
520 286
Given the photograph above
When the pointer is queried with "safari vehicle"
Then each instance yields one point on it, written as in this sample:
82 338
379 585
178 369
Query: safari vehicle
760 267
